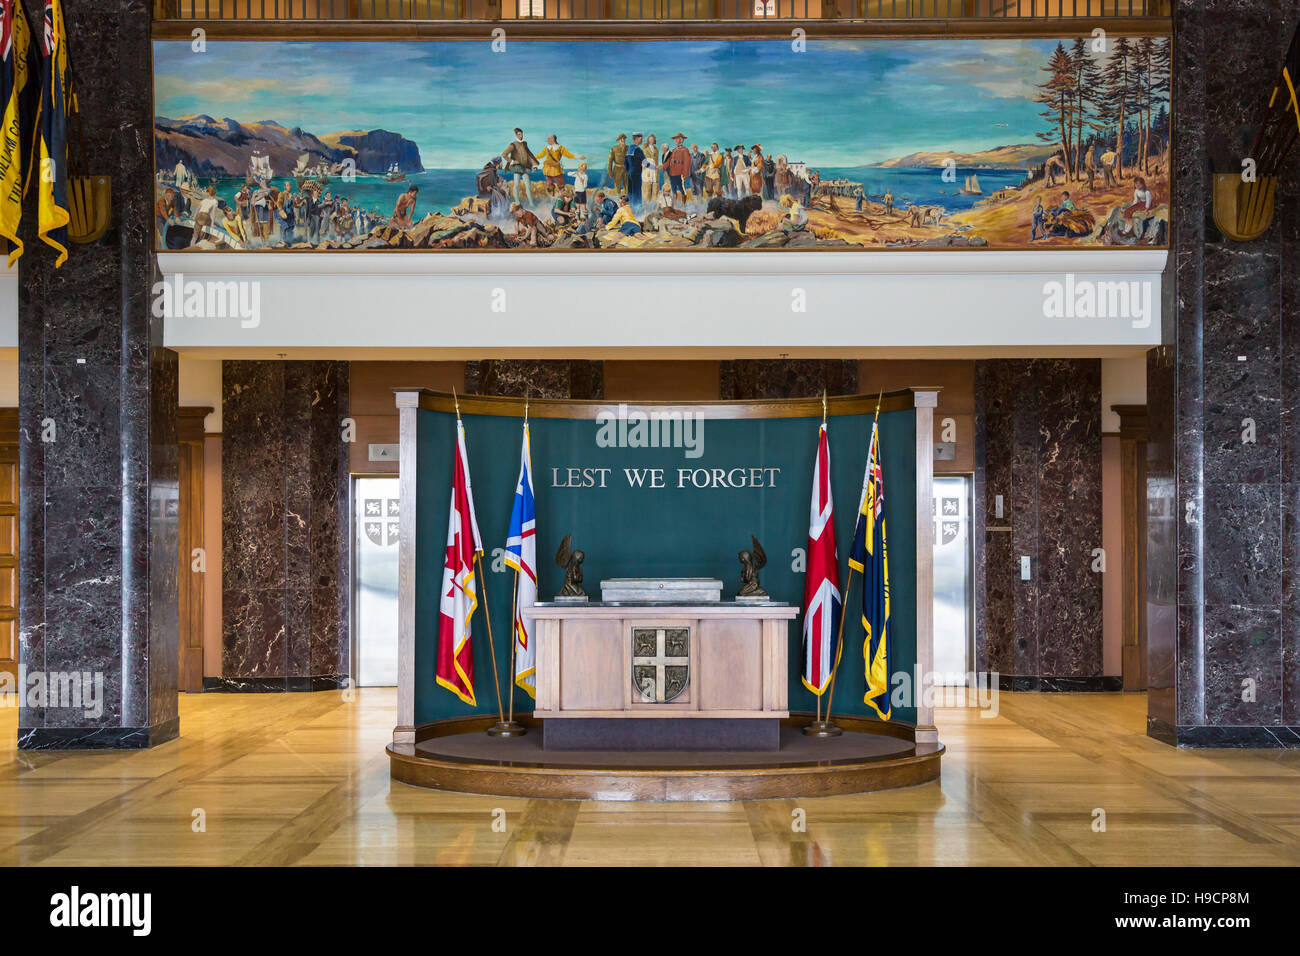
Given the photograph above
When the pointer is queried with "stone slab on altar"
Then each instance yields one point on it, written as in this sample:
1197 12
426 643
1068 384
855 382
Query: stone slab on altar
662 590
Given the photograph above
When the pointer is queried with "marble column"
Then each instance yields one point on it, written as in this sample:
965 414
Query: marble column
97 420
1038 445
787 378
578 379
1223 397
286 607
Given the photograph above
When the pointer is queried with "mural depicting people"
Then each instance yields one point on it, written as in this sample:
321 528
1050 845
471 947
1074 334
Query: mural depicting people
404 211
552 159
678 167
520 163
528 228
633 160
490 187
616 166
1059 129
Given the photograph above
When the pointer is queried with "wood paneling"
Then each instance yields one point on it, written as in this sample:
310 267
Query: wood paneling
371 404
731 665
955 379
190 582
896 401
9 541
1133 502
886 758
661 381
591 674
738 665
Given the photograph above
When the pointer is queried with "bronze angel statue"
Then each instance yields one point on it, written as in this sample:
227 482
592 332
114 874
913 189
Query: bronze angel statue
751 562
571 561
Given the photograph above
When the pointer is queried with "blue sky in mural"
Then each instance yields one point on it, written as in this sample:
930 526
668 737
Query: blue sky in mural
841 103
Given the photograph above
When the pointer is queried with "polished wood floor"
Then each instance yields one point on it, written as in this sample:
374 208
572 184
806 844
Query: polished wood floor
303 779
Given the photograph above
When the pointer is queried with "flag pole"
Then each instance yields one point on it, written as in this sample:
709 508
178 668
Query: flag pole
822 726
827 728
478 560
496 677
508 726
514 642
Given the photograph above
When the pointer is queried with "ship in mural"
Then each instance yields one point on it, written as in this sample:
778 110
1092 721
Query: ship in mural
959 143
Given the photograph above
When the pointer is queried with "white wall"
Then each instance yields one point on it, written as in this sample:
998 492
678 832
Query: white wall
200 384
1123 382
568 302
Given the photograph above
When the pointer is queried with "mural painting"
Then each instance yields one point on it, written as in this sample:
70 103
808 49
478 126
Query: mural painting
667 145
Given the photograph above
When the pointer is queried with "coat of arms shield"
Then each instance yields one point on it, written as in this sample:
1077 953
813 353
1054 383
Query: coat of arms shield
661 662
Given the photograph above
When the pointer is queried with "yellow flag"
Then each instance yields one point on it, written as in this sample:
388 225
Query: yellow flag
52 123
15 41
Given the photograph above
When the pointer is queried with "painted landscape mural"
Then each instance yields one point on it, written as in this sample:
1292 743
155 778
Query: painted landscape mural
589 145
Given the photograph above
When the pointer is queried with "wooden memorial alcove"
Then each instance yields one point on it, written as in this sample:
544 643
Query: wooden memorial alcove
673 511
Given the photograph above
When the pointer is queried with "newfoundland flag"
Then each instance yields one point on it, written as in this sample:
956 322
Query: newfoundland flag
821 587
459 589
869 556
521 554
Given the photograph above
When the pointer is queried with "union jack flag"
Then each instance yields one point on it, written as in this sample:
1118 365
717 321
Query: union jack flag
821 589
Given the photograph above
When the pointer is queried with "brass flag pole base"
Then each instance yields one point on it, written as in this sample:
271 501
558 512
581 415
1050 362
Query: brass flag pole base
822 728
507 728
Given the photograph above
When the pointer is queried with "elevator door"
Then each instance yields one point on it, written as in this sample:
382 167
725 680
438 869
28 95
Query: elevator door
952 581
375 516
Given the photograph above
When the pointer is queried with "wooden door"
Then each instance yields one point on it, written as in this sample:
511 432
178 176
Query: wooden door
9 542
189 437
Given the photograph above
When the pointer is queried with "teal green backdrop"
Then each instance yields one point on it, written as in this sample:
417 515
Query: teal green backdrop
683 532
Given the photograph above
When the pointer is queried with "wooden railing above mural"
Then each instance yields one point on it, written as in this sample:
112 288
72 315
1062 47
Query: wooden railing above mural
657 10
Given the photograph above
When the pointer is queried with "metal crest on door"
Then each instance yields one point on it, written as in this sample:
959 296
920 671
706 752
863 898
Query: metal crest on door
661 662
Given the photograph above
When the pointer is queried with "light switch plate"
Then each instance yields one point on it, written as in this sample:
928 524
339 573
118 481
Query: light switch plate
997 506
1024 567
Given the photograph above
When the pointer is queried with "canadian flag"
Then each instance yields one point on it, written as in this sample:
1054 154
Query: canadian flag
459 588
821 587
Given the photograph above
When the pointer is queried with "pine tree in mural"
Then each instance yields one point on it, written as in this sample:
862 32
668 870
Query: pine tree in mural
1117 94
1086 77
1157 93
1057 95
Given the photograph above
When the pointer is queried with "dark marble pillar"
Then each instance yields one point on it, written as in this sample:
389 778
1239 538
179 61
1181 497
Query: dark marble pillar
97 408
1038 445
787 378
285 528
577 379
1223 609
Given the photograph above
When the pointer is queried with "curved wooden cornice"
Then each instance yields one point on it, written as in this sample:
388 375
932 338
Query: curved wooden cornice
509 406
